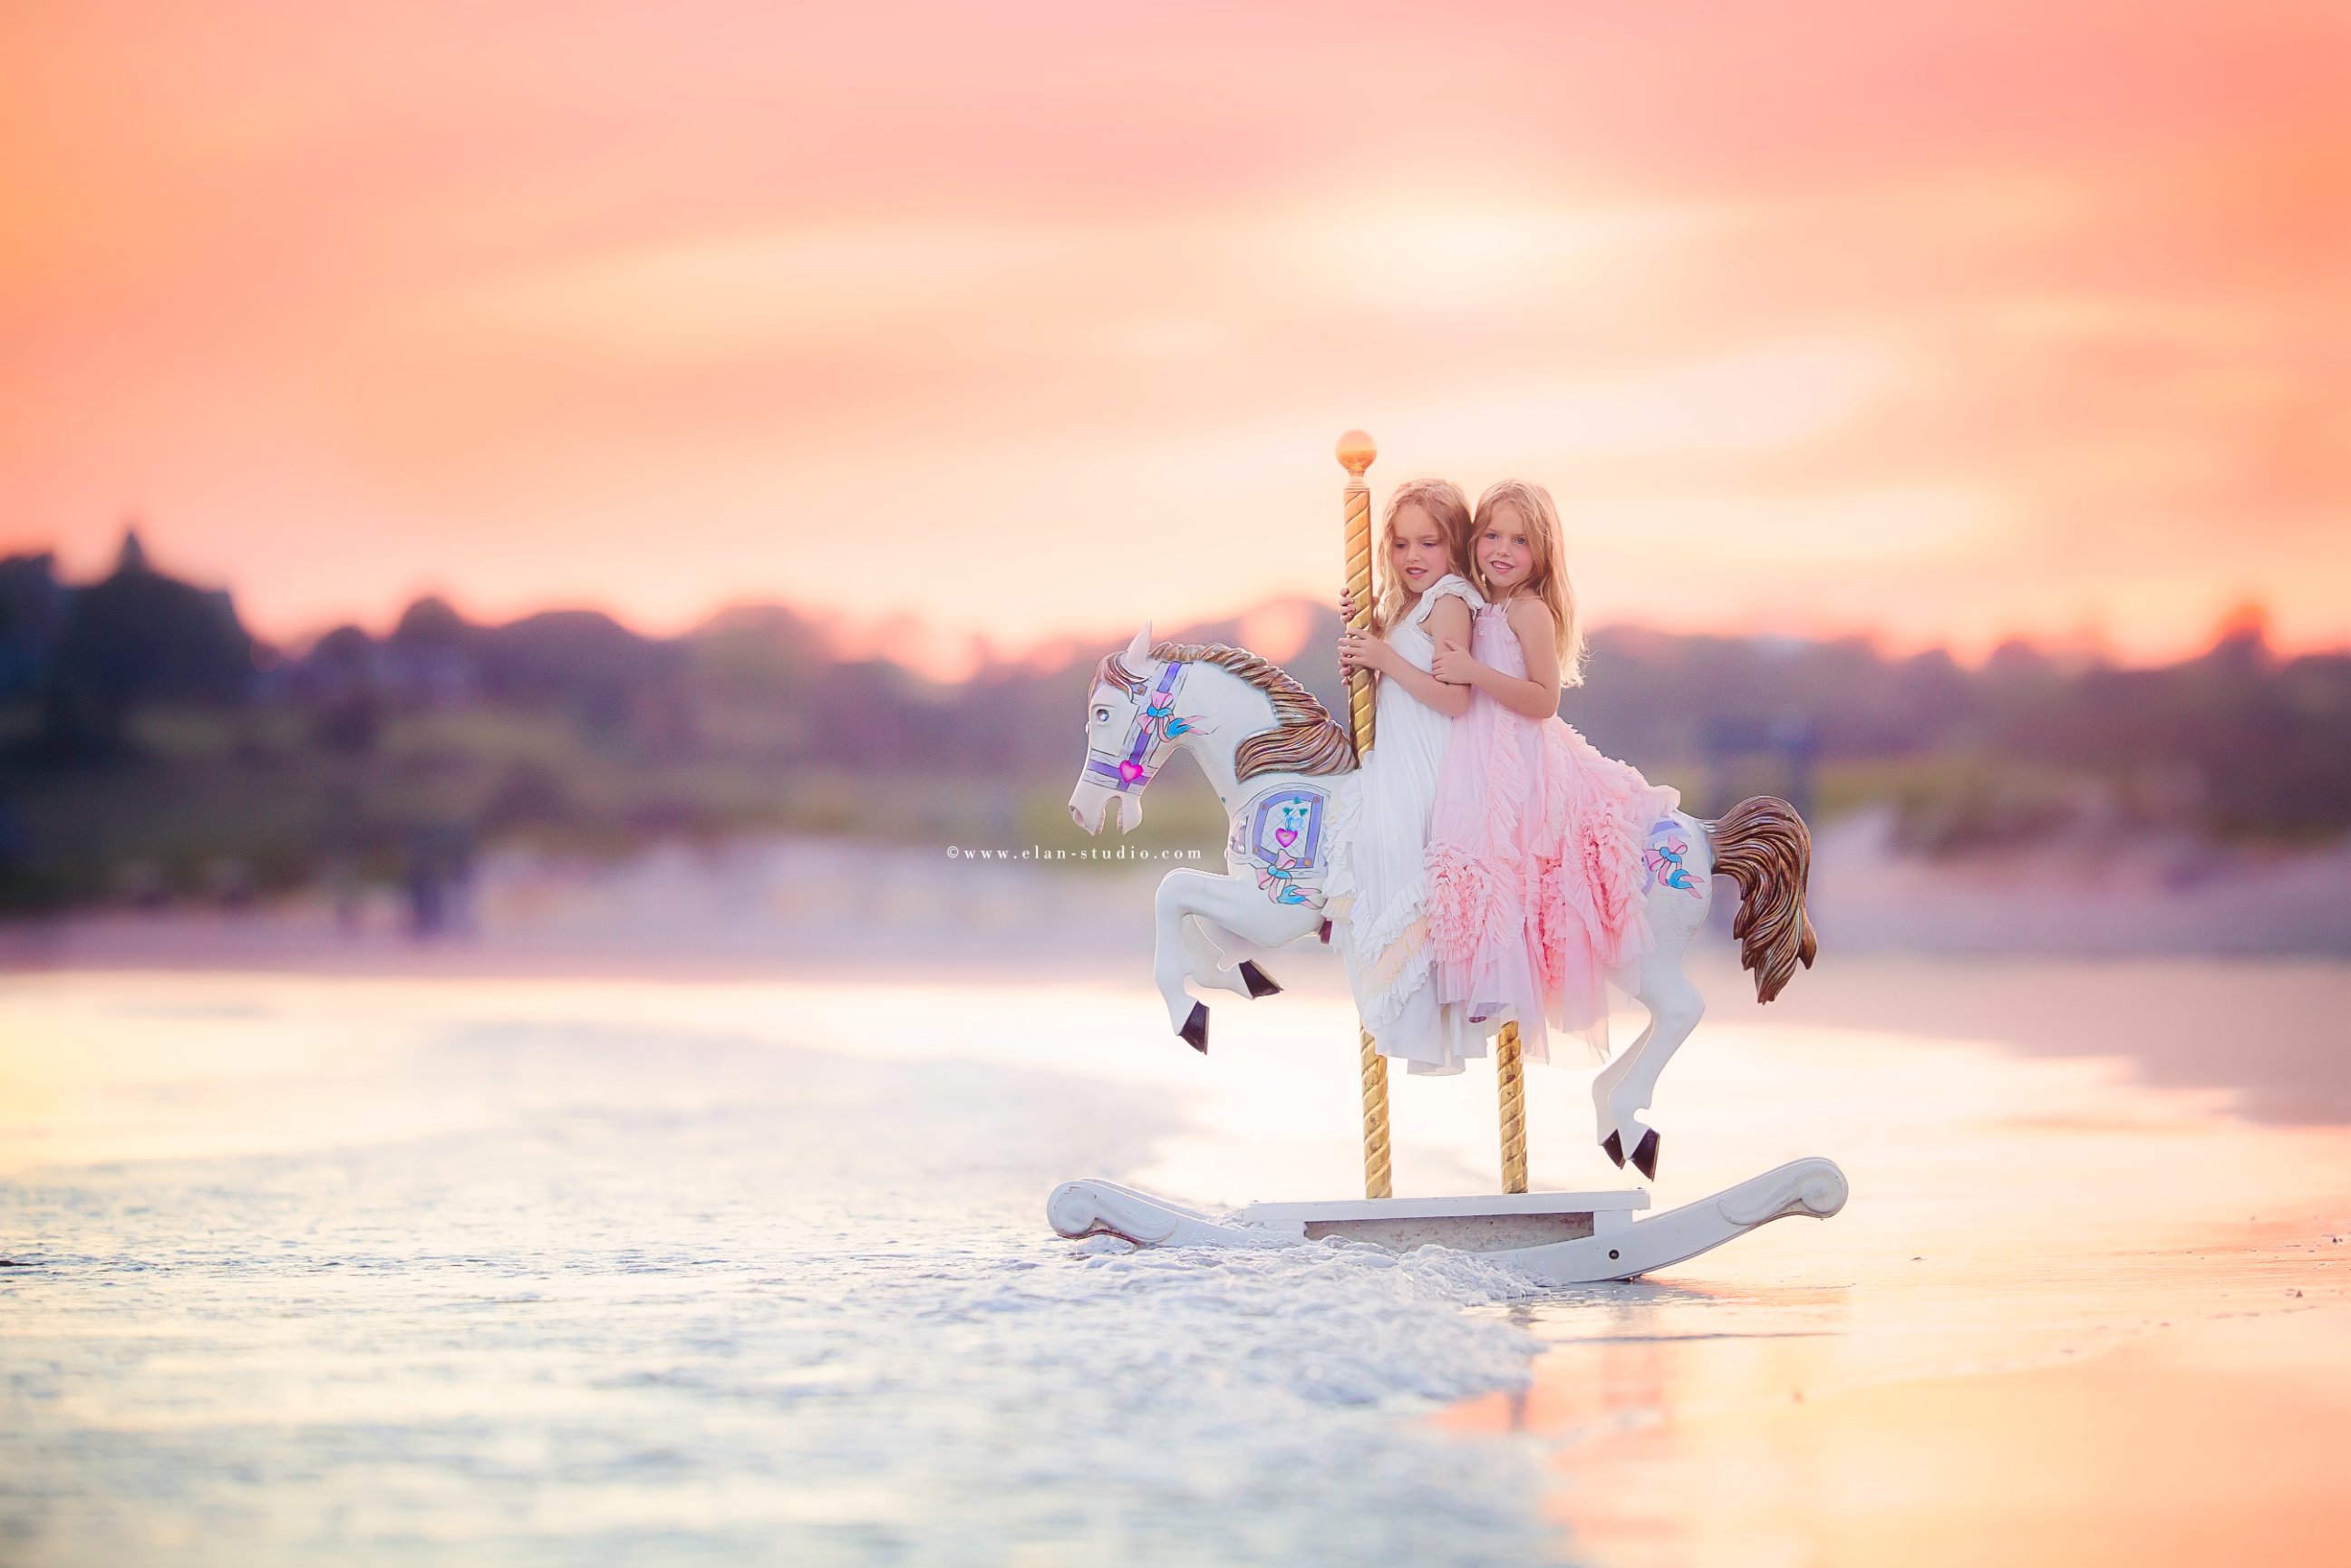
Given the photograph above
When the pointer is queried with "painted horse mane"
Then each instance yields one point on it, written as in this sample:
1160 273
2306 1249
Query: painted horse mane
1305 739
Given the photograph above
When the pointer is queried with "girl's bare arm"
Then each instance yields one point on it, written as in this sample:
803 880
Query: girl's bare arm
1448 618
1536 694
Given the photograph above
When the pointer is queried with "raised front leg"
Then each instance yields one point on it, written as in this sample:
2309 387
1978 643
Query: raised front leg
1178 900
1230 902
1205 956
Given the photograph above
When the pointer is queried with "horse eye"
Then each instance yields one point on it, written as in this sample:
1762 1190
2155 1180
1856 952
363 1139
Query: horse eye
1102 716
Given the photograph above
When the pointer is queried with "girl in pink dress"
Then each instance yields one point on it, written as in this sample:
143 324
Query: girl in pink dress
1534 852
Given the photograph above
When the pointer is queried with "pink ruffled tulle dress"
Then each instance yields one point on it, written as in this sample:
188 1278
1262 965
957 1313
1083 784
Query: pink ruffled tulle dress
1535 880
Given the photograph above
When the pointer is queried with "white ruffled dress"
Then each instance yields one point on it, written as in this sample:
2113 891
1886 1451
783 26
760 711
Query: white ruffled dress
1377 883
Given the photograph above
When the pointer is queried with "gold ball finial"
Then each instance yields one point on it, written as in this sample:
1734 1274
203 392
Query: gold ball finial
1355 452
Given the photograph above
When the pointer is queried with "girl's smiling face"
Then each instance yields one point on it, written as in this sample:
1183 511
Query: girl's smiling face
1416 551
1504 551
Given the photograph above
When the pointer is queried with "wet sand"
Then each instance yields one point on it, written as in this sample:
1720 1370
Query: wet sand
2219 1440
2069 1317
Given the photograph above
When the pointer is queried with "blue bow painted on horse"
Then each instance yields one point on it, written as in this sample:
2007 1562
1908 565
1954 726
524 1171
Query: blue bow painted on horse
1155 728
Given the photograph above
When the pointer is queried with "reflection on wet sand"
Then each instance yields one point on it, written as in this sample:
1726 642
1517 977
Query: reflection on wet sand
2068 1319
2216 1441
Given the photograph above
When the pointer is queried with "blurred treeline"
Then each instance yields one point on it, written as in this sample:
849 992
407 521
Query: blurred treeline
150 749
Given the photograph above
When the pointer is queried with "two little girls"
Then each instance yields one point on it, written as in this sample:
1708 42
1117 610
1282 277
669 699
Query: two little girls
1492 856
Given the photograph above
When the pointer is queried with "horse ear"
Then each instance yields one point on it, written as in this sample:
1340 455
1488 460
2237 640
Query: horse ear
1138 653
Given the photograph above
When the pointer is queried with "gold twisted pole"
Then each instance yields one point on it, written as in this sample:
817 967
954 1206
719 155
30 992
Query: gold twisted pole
1355 453
1511 1073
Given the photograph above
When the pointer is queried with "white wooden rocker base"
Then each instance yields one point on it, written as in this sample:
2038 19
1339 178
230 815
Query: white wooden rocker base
1555 1238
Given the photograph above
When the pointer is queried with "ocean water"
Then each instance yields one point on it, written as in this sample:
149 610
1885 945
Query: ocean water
386 1268
490 1274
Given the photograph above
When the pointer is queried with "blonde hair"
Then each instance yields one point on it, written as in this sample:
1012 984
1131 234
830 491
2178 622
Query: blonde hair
1547 578
1449 508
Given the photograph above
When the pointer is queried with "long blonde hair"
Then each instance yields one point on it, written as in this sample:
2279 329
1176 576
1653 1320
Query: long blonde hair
1547 579
1449 508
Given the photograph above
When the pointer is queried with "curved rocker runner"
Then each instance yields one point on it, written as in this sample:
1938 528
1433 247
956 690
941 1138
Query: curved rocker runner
1555 1238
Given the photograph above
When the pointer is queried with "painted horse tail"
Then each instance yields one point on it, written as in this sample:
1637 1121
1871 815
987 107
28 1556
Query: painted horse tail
1762 844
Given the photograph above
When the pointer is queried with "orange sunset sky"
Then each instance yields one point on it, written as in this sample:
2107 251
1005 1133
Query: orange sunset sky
1940 322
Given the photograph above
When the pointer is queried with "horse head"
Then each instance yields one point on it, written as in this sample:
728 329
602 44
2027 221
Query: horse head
1131 725
1242 717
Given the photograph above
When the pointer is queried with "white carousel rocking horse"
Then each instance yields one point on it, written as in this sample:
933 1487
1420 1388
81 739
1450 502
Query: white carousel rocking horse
1274 756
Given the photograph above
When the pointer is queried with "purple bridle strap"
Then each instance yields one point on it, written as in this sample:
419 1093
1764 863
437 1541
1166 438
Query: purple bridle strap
1133 770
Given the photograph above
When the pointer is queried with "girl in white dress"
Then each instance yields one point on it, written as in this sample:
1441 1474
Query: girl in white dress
1377 887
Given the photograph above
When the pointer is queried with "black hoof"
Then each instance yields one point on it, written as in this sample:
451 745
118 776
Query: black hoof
1195 1029
1645 1154
1615 1149
1260 983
